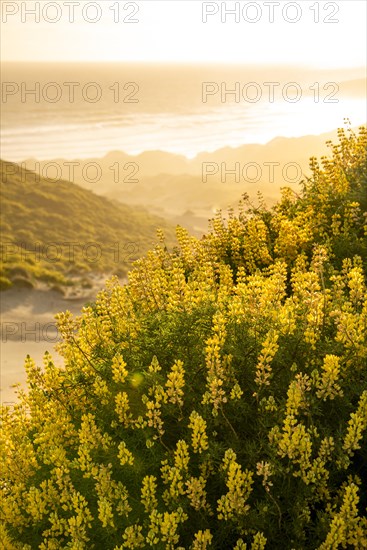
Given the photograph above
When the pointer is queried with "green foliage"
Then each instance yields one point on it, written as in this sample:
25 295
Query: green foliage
219 400
54 231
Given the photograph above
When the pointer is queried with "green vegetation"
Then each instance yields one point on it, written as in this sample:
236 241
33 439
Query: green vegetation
219 400
54 231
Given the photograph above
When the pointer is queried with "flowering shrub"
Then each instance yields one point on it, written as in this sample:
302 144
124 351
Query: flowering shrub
219 400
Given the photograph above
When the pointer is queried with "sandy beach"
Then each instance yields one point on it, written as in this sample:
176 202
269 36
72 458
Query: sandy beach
28 327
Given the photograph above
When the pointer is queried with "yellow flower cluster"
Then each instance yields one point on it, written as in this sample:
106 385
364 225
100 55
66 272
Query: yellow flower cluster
263 369
296 394
199 438
346 527
356 426
174 475
163 527
327 386
119 371
148 493
125 456
175 384
296 443
122 408
264 469
202 540
258 543
196 492
216 365
233 505
133 537
153 409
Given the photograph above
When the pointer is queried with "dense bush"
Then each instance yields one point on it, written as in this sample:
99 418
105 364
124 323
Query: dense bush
219 400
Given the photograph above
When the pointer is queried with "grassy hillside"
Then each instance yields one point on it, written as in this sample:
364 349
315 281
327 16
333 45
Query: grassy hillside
55 231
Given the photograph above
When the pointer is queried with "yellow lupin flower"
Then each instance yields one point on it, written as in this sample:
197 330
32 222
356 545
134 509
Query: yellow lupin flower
202 540
327 386
346 526
133 537
233 503
240 545
259 542
196 492
269 349
199 438
122 408
148 493
356 425
119 371
175 384
125 456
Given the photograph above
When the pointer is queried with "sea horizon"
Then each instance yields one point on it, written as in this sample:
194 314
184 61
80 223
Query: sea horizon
184 110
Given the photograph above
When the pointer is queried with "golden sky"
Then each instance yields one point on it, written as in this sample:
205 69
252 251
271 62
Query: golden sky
304 33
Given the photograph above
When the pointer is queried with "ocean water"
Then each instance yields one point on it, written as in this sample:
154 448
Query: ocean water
88 110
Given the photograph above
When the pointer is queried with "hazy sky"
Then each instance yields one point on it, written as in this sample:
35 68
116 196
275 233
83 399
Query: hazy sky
322 34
